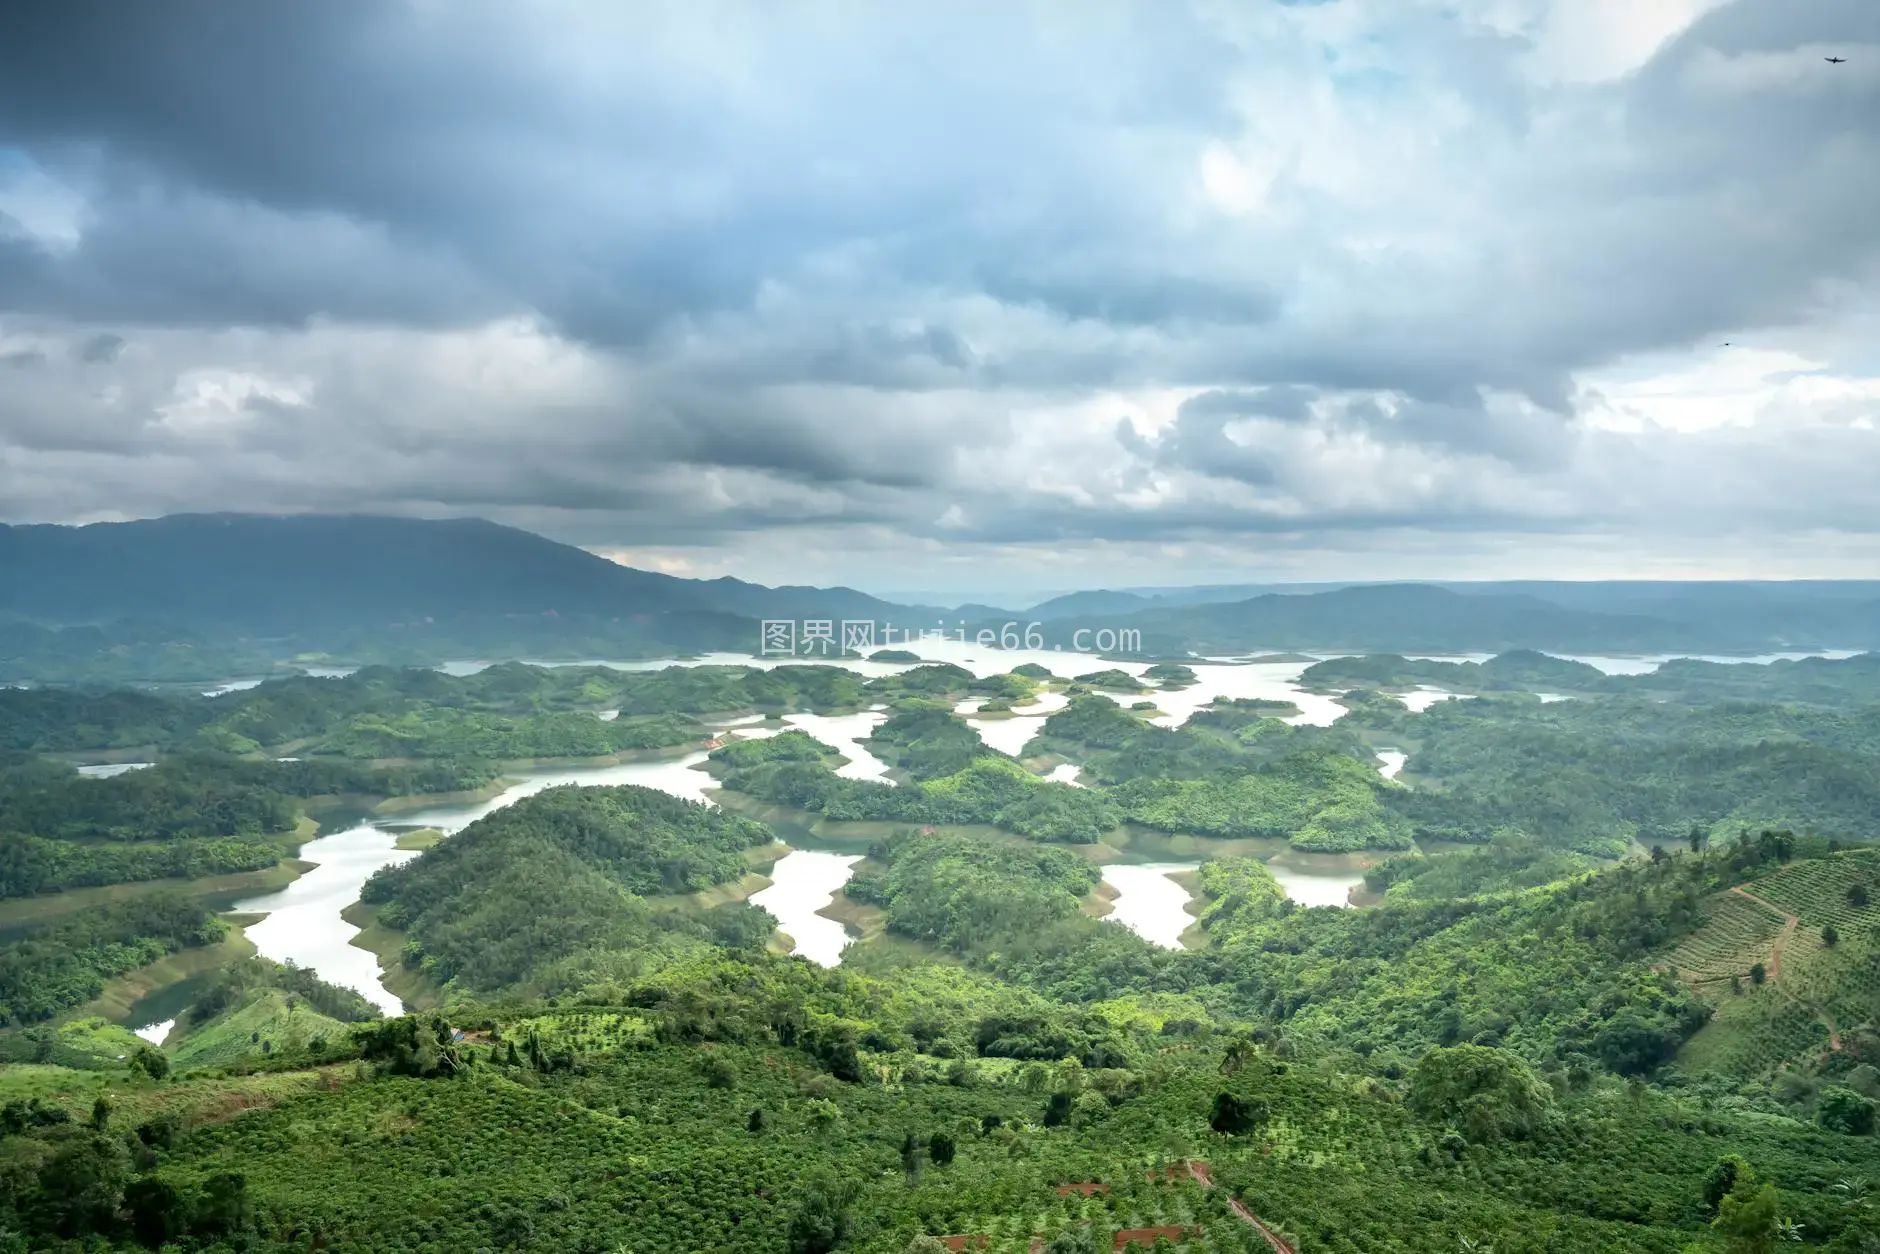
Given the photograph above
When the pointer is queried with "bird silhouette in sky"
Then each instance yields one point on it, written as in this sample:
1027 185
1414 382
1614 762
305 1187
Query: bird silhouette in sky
1725 344
1835 60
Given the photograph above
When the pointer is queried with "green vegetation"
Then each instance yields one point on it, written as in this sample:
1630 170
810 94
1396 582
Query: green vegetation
540 892
954 779
704 1109
52 968
191 816
1233 772
399 708
1598 776
1510 863
449 733
1522 1045
1240 894
257 1008
1115 680
1172 675
967 895
1843 682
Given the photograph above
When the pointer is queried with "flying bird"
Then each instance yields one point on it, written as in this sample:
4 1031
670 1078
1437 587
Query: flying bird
1725 344
1835 60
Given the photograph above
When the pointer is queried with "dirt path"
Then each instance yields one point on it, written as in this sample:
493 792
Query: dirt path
1202 1174
1789 922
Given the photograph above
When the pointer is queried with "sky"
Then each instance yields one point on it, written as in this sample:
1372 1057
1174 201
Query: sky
976 297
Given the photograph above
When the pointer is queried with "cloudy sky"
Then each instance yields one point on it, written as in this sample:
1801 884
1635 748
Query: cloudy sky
972 296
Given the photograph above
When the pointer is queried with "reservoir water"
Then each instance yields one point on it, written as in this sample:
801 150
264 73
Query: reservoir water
1390 762
844 733
303 923
802 882
1423 698
1148 902
1311 884
303 920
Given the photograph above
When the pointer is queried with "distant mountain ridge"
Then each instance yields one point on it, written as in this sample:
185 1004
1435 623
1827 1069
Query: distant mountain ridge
1425 618
265 574
227 594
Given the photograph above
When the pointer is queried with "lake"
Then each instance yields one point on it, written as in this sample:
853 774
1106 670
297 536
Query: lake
303 922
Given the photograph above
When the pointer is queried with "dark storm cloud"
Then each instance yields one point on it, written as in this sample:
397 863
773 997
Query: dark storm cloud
613 195
101 349
857 263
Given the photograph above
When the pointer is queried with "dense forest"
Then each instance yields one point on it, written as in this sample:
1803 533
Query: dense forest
1615 984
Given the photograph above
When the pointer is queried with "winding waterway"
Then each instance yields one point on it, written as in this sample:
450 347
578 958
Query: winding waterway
303 923
1148 902
844 733
802 882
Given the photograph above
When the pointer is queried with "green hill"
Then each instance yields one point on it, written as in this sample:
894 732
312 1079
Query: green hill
1791 963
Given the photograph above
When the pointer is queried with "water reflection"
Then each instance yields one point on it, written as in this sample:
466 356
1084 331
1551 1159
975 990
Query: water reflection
1314 886
1066 773
155 1032
1390 762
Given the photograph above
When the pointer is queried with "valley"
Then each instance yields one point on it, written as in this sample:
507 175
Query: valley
1258 869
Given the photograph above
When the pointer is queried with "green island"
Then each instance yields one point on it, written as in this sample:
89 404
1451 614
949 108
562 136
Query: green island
1613 984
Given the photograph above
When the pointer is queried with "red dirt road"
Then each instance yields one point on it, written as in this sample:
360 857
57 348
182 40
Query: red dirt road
1782 938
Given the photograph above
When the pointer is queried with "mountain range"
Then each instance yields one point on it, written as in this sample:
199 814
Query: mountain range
247 590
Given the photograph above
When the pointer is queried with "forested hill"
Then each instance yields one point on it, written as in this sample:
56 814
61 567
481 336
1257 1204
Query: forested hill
219 596
263 575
